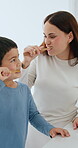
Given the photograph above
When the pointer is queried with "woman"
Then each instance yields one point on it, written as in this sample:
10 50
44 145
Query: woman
54 74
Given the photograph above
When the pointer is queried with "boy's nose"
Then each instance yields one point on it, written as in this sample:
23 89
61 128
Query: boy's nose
19 63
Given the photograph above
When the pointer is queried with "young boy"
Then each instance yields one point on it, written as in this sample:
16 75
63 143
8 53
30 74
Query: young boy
16 103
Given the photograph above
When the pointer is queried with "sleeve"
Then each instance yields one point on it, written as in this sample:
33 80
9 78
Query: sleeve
2 84
77 111
29 75
36 119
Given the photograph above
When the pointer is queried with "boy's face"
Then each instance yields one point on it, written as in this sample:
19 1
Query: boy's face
12 62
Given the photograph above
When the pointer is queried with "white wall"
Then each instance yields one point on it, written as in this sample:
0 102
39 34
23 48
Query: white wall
21 20
73 7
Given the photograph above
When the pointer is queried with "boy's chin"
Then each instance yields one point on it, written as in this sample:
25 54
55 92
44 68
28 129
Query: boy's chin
18 76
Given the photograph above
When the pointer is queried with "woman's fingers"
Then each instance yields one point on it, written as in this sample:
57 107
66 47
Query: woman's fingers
32 50
75 123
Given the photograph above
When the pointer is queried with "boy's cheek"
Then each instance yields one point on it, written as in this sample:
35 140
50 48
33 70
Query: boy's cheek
12 68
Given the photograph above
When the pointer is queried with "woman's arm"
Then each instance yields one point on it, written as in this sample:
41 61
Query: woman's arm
29 66
29 74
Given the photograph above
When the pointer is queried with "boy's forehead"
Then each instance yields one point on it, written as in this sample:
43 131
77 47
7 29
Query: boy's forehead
13 52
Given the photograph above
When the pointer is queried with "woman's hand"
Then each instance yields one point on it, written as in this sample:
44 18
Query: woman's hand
30 53
56 131
4 73
75 123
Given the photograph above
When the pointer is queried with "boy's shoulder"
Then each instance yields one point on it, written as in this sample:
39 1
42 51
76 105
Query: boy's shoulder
24 90
23 86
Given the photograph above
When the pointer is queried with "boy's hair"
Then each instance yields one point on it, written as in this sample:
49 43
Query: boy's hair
5 46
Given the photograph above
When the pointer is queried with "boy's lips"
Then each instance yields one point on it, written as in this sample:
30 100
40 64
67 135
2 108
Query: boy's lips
16 71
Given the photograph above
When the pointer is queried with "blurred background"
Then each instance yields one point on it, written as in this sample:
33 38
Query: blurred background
22 20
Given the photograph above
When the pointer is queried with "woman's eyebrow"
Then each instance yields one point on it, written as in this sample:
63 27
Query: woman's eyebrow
49 33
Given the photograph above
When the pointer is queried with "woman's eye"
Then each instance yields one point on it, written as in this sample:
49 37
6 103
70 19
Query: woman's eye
52 37
44 36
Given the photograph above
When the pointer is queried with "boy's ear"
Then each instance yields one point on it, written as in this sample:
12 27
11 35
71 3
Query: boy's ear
70 36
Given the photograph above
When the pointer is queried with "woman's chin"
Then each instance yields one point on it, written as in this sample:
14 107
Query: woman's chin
50 54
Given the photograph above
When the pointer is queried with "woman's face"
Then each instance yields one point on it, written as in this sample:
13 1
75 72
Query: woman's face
57 41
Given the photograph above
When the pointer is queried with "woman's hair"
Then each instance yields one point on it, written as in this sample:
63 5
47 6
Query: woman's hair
67 23
5 46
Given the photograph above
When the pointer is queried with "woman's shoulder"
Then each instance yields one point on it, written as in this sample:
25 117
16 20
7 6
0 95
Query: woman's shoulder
42 56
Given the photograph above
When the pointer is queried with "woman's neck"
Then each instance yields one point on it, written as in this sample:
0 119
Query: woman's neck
66 56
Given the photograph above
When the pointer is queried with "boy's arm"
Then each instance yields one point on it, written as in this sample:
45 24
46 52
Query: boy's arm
37 120
41 124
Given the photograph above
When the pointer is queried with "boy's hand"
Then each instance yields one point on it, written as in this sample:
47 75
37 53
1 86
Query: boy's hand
4 73
75 123
62 132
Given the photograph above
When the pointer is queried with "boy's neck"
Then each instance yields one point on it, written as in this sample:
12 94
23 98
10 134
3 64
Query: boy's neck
11 83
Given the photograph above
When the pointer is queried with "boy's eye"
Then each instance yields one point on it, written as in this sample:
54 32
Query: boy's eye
13 60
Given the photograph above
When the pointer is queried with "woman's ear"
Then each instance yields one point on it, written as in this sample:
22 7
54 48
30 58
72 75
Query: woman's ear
70 36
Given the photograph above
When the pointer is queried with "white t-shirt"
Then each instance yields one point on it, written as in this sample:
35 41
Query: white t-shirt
55 88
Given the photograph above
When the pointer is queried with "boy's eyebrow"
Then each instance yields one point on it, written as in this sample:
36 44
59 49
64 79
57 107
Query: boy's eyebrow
14 57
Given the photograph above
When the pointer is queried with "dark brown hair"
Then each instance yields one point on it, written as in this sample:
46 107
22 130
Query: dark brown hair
5 46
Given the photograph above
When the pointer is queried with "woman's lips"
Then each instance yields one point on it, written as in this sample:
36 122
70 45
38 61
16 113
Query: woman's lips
49 48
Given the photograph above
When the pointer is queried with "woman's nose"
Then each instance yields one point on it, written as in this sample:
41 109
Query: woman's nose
47 41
